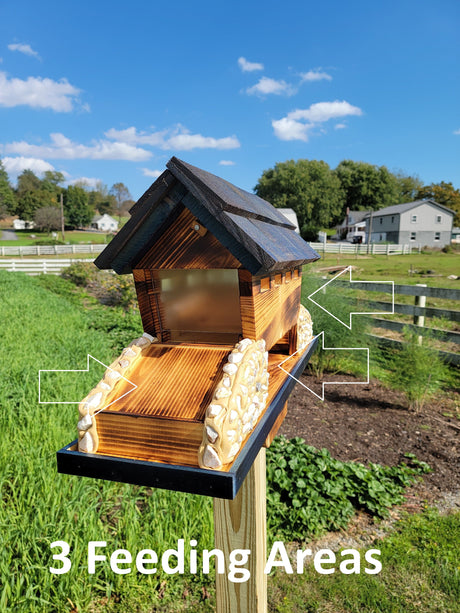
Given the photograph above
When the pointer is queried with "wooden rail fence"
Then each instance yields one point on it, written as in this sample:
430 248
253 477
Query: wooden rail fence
373 248
39 267
418 312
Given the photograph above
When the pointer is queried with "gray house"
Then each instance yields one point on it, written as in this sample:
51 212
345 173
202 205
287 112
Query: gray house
422 222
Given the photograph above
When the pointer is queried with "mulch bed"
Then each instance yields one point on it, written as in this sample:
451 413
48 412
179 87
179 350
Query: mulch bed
369 423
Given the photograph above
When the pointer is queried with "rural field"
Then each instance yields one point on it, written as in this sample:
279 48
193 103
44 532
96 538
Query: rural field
362 490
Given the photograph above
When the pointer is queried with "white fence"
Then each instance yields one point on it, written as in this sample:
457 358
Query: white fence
50 249
38 267
373 248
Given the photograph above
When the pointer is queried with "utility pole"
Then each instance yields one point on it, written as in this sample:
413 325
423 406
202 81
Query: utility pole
370 232
62 219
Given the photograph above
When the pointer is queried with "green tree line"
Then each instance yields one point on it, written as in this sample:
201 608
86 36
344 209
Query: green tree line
321 195
38 199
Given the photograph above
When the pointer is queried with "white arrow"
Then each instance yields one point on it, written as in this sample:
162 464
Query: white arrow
134 386
348 268
330 382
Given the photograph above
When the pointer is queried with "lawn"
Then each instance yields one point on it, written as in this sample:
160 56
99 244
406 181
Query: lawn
72 237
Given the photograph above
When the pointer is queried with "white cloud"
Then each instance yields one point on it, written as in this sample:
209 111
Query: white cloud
457 132
25 49
315 75
289 129
38 92
151 173
323 111
297 124
265 86
62 147
178 138
226 163
249 66
14 166
340 126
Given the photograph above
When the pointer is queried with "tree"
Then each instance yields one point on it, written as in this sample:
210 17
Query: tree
309 187
445 194
7 197
367 187
78 213
30 201
28 182
408 187
52 182
47 218
122 195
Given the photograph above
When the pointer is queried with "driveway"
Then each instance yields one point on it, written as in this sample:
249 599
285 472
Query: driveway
9 235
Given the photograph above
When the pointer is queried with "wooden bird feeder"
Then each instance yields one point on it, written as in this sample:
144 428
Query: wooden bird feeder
218 273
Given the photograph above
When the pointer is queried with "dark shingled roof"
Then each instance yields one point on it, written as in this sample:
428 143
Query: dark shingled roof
258 235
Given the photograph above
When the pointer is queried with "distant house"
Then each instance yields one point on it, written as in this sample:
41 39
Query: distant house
21 224
455 235
353 225
422 222
291 216
104 223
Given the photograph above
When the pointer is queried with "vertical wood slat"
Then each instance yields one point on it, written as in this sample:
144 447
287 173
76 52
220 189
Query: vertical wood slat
241 524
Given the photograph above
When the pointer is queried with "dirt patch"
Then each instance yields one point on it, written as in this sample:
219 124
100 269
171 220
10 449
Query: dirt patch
369 423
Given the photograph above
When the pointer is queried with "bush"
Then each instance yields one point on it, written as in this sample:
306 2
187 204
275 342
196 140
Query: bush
416 370
48 241
80 273
309 492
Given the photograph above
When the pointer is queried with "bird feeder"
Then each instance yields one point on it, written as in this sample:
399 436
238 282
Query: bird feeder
189 404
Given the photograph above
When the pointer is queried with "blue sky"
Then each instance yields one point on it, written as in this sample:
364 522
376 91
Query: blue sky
110 91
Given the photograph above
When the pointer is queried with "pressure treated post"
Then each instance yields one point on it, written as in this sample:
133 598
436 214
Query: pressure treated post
241 524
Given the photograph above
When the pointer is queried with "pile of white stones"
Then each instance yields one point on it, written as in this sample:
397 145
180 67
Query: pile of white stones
88 440
304 328
239 400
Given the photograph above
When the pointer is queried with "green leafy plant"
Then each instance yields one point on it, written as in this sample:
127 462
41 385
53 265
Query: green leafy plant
417 370
309 492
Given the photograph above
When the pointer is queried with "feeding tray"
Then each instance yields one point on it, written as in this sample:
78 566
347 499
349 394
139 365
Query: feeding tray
192 479
217 272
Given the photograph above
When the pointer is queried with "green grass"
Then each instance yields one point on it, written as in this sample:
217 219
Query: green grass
72 237
420 574
43 330
397 267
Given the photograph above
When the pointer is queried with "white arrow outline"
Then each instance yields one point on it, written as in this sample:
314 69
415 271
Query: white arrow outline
329 382
88 356
356 312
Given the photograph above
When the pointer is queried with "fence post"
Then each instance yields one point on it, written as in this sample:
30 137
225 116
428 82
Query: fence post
419 320
388 249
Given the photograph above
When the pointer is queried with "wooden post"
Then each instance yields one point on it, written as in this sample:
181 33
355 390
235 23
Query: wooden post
241 524
419 320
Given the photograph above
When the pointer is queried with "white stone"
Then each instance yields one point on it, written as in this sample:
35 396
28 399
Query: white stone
238 403
261 345
129 352
94 400
244 390
222 392
230 369
103 385
85 422
149 337
141 342
211 434
234 450
244 344
226 381
235 357
246 428
113 374
231 434
246 418
214 410
124 363
251 409
233 416
210 458
86 444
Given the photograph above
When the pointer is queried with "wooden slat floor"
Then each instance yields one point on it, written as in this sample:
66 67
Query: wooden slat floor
177 381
